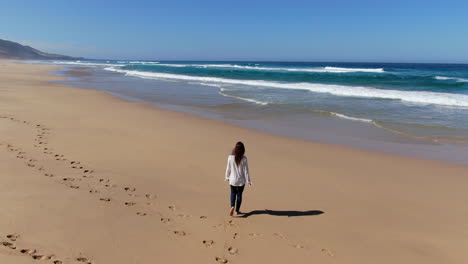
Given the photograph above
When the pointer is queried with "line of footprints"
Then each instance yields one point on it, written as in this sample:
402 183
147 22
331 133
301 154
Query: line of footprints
10 243
87 174
87 178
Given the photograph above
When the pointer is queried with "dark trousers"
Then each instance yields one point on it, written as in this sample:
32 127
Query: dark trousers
236 196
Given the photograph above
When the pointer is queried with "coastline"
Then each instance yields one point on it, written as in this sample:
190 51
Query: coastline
376 208
209 102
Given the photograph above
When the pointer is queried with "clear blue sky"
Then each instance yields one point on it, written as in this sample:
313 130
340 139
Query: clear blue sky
325 30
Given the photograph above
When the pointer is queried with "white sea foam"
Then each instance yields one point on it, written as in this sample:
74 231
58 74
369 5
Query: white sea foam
450 78
143 62
317 69
243 98
80 63
102 64
339 69
222 92
174 65
206 84
421 97
352 118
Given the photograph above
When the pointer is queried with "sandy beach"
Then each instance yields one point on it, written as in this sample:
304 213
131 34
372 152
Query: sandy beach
90 178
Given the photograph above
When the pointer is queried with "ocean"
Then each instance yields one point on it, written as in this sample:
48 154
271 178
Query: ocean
374 104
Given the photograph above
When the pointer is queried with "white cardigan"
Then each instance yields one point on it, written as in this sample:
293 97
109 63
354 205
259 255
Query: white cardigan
237 175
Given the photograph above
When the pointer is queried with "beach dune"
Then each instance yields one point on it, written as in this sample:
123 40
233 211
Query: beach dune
90 178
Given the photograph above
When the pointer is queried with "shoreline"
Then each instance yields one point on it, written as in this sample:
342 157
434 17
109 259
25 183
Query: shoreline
316 128
162 172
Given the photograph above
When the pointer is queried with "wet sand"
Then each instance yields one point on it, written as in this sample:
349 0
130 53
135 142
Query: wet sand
90 178
208 102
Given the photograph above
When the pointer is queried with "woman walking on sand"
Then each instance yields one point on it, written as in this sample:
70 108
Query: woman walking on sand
237 173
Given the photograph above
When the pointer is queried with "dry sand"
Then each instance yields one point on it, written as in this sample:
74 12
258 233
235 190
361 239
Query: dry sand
89 178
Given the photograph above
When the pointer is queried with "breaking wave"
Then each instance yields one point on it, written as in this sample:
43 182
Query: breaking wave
421 97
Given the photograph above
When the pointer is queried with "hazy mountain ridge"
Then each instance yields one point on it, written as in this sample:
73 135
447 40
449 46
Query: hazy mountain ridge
13 50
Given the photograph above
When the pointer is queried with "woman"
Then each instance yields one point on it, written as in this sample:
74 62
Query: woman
237 173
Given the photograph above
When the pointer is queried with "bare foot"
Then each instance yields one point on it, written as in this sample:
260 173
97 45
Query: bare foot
231 212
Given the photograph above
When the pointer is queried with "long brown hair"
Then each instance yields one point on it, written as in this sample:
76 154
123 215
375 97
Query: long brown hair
238 152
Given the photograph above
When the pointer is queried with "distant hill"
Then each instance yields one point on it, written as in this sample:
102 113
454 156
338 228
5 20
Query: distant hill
16 51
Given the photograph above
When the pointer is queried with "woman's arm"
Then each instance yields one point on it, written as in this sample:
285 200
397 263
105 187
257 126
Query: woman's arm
246 172
228 170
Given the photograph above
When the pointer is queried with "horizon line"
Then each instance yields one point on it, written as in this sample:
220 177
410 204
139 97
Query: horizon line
294 61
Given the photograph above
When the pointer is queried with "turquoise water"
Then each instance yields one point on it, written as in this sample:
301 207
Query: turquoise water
422 101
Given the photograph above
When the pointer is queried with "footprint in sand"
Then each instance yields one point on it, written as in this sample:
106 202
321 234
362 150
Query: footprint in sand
328 252
84 260
221 260
103 180
74 186
93 191
48 175
58 262
171 207
231 223
203 217
141 214
13 237
235 236
130 203
129 189
105 199
254 235
232 250
184 215
28 251
208 243
179 233
165 220
279 235
68 179
9 245
218 225
150 196
41 257
288 241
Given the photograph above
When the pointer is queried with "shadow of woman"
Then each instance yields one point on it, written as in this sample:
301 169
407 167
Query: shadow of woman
282 213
